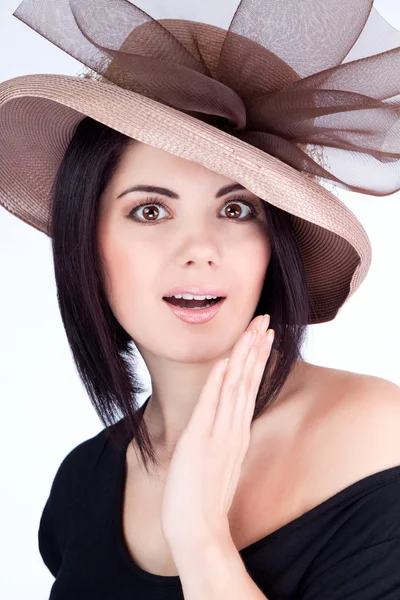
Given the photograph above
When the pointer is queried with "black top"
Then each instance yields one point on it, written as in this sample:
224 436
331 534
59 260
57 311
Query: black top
346 548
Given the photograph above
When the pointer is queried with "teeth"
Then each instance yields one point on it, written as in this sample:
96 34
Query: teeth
190 297
199 307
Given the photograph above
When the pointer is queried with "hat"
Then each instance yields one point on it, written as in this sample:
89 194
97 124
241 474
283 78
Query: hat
247 101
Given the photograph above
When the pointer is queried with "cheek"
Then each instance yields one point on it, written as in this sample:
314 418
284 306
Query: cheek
126 273
253 259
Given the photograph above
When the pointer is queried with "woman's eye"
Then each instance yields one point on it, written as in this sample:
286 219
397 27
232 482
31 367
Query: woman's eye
233 211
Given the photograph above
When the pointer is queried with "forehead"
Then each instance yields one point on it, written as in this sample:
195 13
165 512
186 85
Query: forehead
145 162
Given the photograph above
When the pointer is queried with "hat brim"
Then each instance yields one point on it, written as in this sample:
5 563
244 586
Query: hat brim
39 113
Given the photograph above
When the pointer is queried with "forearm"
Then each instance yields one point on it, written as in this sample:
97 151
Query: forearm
216 572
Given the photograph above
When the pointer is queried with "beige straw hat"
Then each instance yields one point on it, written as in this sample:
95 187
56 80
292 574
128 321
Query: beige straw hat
246 102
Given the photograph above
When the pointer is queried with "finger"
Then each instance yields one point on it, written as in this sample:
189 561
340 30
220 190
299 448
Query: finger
248 374
244 385
203 415
230 385
265 347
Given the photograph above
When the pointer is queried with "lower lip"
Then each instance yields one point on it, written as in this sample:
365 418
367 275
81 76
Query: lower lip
196 316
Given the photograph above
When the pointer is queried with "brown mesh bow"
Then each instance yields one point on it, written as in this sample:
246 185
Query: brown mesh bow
286 74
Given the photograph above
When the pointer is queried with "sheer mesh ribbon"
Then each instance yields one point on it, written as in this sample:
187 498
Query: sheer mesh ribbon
284 75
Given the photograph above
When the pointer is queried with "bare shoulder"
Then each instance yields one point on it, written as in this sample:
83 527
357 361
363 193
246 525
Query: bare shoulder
344 394
328 430
351 430
368 409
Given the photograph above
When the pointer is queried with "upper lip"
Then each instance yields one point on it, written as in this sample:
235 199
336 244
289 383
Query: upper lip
204 290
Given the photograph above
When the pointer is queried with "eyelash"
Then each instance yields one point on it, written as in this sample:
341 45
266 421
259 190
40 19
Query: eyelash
151 201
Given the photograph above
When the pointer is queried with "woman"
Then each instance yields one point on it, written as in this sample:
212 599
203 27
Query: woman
274 478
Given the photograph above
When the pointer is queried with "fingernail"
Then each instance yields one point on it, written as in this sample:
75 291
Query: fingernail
252 338
265 322
270 336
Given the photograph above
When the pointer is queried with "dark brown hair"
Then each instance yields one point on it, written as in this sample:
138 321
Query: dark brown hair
104 353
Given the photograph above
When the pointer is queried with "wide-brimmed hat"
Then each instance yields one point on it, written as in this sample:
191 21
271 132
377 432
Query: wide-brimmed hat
248 101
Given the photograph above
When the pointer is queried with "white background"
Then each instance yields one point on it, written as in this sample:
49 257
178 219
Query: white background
45 410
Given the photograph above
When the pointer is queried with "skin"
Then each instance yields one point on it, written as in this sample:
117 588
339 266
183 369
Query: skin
195 241
296 461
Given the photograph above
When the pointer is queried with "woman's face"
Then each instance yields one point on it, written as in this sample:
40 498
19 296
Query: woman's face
194 240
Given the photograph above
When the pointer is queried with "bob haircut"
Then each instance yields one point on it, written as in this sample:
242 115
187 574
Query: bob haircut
103 352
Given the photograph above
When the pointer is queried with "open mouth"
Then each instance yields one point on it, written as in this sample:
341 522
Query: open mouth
194 304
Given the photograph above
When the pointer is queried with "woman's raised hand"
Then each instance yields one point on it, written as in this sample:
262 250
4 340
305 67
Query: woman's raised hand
205 467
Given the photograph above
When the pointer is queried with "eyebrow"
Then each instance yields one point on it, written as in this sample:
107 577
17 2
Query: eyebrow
170 194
